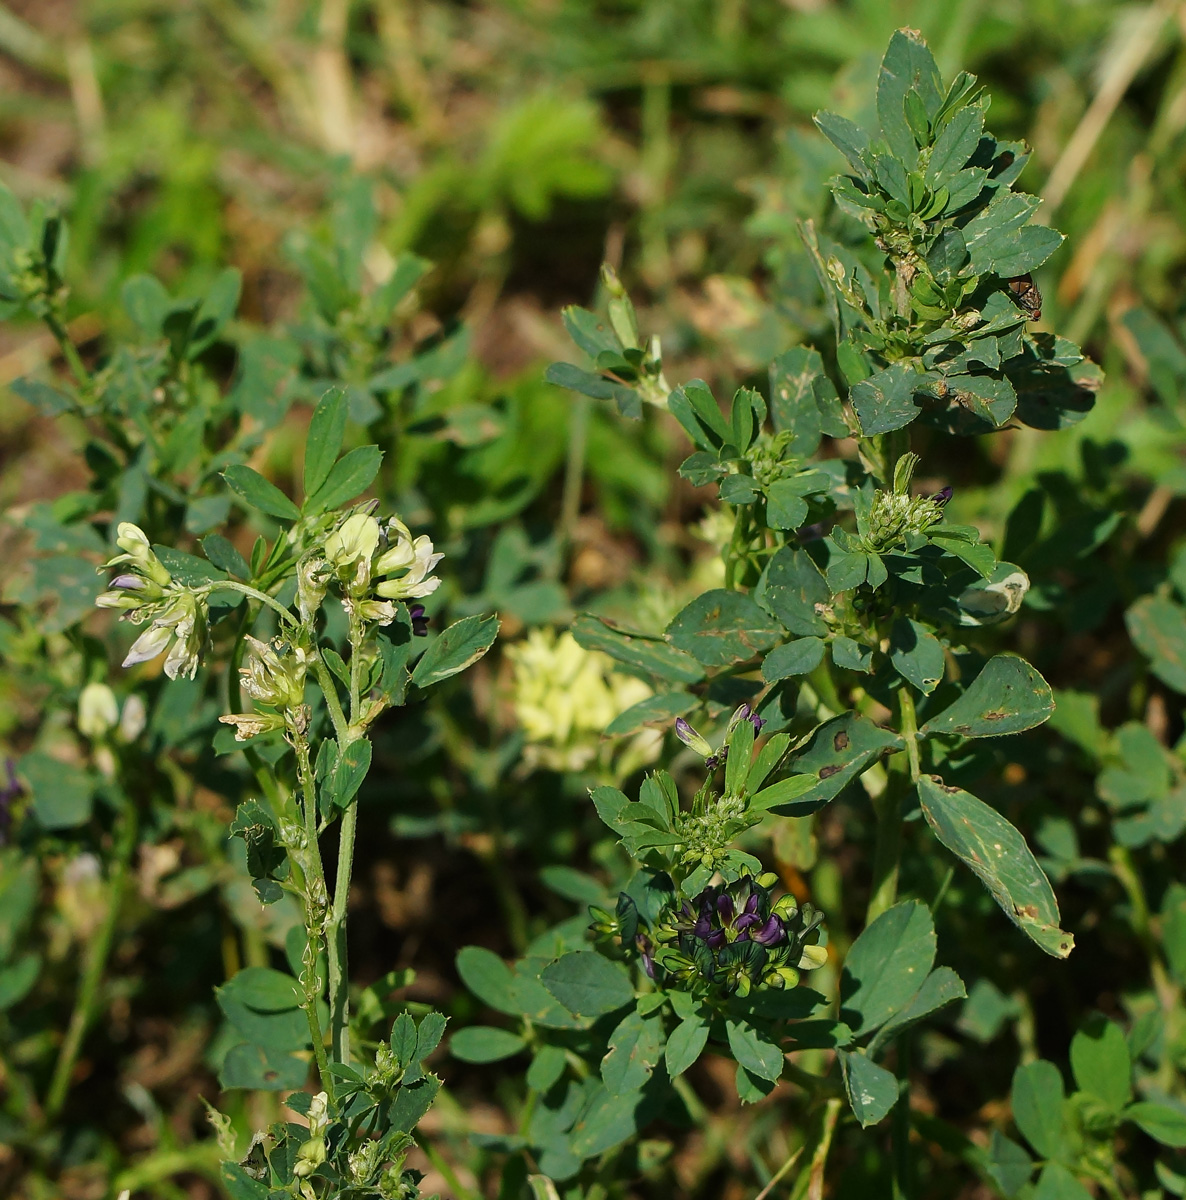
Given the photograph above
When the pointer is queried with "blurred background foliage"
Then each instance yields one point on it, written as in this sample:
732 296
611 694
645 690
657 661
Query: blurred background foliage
515 145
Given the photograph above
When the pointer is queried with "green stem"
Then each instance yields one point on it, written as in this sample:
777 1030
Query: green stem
233 585
574 467
100 949
339 981
329 690
69 350
1166 990
887 851
900 1132
778 1175
909 722
315 900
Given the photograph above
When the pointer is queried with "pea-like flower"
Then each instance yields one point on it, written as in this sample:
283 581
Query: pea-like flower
146 592
359 552
273 675
408 562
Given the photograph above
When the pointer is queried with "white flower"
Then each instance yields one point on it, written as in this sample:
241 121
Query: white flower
274 675
98 710
357 538
412 558
149 644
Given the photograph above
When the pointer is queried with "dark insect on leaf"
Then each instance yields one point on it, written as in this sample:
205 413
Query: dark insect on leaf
1025 292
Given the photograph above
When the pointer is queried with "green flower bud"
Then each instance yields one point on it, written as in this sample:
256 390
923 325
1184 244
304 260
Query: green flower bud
309 1157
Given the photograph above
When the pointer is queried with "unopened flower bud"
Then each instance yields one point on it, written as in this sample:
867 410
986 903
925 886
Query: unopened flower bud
691 738
318 1114
309 1157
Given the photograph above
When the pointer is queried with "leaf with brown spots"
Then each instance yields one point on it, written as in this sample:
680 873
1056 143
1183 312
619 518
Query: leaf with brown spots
999 855
1008 696
838 752
721 628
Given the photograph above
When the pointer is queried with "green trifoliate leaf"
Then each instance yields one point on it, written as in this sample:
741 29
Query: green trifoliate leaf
489 978
794 591
649 654
872 1090
1057 1183
886 967
589 332
1038 1107
259 493
657 709
784 792
722 627
917 654
754 1050
635 1047
852 655
955 145
1162 1123
993 401
1007 1164
851 140
326 430
484 1044
838 752
1101 1063
685 1045
1158 628
1008 696
458 647
996 851
907 66
799 657
885 401
940 988
353 473
587 984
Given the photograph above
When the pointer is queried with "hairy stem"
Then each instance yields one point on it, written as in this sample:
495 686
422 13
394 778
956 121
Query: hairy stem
339 980
100 949
233 585
315 899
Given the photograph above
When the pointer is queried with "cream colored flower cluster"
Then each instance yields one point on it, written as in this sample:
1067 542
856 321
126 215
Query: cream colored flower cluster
564 697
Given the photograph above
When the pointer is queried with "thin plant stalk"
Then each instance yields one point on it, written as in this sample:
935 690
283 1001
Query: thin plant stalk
87 999
339 982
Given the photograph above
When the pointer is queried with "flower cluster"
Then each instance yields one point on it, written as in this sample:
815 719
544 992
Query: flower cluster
894 514
564 696
146 592
273 675
728 940
375 565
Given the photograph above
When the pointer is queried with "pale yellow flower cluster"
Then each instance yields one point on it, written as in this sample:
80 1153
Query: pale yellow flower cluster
564 697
